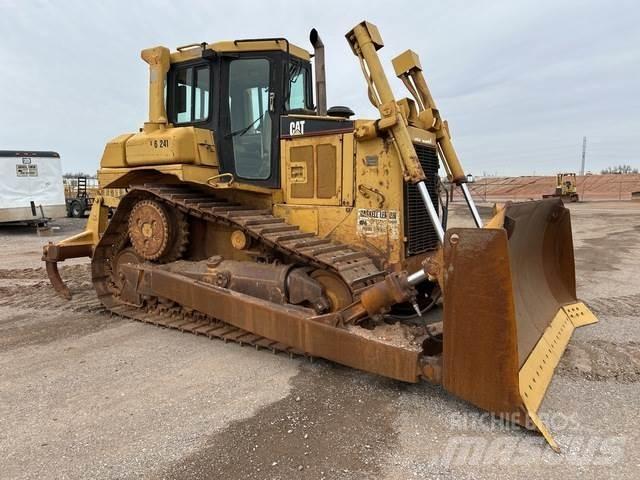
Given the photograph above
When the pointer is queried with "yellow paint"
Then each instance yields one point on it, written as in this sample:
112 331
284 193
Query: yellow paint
305 170
195 51
96 224
580 314
158 59
368 172
305 217
124 177
372 165
171 145
537 371
114 154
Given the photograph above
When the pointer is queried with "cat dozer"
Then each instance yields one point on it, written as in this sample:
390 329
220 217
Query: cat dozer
256 215
565 188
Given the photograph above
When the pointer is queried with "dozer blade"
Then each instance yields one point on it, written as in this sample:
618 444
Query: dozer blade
510 308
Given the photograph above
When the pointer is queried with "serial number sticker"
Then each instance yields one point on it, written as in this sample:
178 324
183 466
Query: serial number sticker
28 170
378 223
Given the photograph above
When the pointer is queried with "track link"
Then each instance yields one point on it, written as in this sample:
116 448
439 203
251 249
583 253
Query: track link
180 319
356 268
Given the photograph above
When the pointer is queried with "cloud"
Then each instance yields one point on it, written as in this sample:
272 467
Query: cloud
520 82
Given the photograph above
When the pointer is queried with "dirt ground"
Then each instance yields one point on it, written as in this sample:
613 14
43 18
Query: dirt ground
87 395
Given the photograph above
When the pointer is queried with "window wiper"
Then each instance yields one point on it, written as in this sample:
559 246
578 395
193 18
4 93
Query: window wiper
244 130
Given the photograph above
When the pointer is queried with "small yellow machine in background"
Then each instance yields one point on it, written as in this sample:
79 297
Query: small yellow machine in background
565 187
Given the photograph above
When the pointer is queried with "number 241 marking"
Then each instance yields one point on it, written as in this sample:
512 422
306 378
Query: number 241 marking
162 143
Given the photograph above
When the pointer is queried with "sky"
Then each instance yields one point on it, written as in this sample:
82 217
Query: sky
520 82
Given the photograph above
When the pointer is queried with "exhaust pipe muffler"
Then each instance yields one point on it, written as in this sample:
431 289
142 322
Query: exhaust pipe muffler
321 84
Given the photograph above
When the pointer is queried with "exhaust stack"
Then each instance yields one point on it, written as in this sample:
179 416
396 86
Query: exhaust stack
321 85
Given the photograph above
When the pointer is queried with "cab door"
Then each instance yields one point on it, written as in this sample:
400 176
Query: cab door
248 119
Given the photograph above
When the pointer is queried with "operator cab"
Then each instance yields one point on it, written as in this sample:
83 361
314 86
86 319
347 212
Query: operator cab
240 94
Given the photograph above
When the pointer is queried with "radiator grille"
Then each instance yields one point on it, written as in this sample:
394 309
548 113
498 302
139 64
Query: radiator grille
420 234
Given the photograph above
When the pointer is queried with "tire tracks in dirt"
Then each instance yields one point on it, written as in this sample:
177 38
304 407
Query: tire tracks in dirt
32 313
601 360
335 423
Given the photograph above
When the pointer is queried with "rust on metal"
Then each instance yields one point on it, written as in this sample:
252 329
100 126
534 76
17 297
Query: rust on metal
291 326
502 286
150 230
506 294
239 240
480 347
542 267
52 254
356 275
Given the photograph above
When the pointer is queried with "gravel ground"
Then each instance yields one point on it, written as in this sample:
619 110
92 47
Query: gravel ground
87 395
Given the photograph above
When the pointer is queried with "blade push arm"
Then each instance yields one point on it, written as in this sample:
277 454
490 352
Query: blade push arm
365 41
408 69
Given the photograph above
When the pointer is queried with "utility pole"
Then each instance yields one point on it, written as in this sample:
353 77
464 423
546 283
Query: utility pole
584 154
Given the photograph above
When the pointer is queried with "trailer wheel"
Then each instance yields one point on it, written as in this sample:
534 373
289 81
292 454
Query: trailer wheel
75 209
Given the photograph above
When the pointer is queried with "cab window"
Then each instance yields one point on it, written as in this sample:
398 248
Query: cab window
298 81
250 106
192 94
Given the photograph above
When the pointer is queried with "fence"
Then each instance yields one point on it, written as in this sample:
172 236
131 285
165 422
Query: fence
589 187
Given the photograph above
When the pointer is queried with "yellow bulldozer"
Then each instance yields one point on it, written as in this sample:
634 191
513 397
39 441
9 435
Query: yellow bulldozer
565 188
255 214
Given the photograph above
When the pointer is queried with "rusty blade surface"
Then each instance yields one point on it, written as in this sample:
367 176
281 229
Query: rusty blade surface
542 267
480 348
506 290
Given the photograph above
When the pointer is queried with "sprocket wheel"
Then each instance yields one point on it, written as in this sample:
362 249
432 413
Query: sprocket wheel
157 233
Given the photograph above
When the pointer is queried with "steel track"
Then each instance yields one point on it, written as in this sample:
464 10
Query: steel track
354 267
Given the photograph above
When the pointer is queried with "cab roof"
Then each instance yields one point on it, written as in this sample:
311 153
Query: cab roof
192 51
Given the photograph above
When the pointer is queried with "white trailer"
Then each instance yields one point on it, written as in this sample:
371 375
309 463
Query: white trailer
31 188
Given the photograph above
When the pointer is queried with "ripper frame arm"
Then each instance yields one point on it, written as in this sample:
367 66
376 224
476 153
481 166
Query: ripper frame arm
80 245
